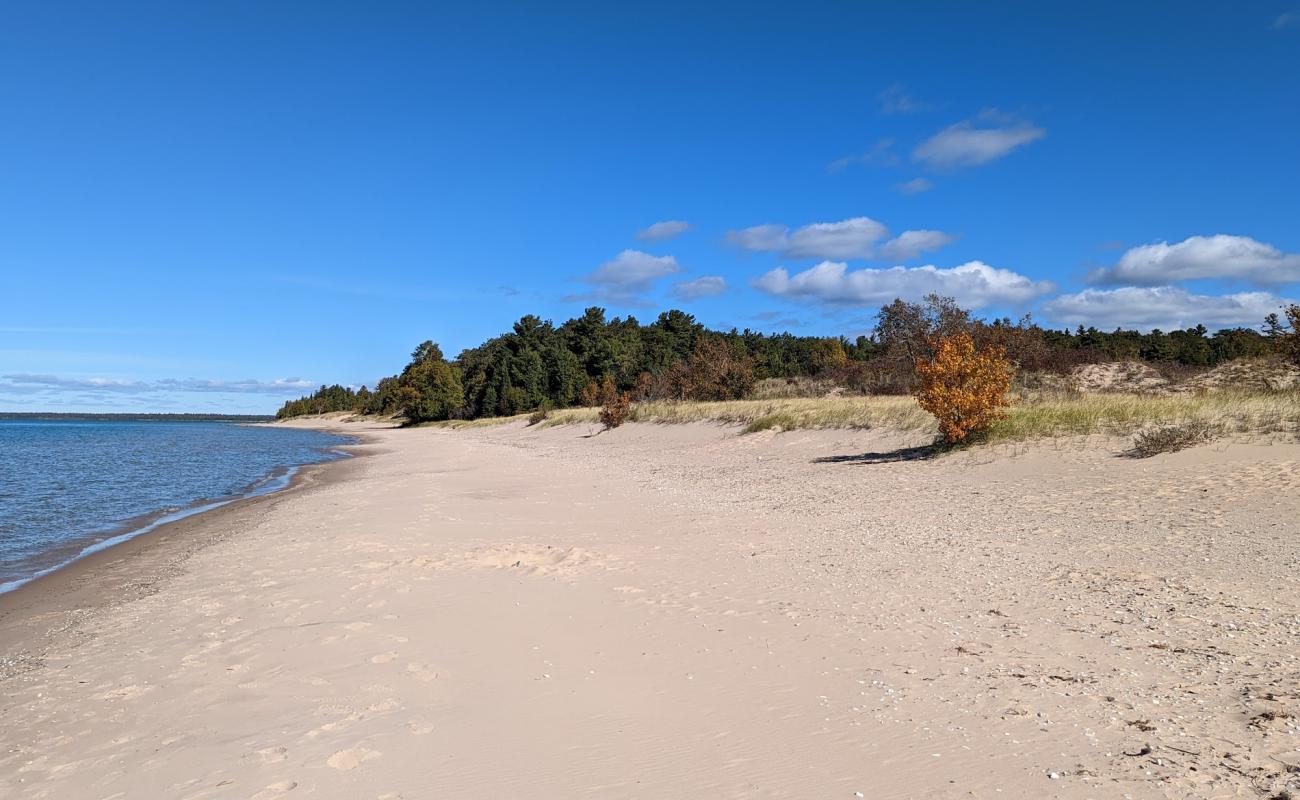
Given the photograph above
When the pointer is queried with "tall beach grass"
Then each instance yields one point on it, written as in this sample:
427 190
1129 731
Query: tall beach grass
1033 417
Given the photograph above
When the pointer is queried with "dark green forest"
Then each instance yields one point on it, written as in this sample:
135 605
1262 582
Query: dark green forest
538 365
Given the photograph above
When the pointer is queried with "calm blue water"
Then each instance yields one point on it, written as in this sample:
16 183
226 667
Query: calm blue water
69 487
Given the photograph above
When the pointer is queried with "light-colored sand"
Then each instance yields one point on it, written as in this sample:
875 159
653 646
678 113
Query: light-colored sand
681 612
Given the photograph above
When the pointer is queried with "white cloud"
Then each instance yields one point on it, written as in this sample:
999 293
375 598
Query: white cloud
633 270
974 284
1164 307
973 142
625 278
707 286
83 384
1288 19
662 231
277 386
29 381
760 237
914 186
1221 256
910 244
850 238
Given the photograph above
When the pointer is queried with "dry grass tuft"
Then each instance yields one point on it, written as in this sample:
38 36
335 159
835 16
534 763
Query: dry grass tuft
1172 438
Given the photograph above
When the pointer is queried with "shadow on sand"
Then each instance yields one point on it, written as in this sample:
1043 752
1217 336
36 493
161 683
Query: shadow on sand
918 453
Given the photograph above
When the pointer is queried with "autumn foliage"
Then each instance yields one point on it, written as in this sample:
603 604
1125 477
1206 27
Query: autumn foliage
615 406
963 387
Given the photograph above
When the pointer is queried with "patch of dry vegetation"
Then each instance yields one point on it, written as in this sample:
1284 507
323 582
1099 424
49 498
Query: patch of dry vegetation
1244 414
1262 401
1235 413
1172 438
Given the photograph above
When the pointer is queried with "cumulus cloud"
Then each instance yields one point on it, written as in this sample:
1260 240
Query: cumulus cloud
973 142
626 277
914 186
30 381
1164 307
663 231
850 238
707 286
633 270
1238 258
974 284
856 238
910 244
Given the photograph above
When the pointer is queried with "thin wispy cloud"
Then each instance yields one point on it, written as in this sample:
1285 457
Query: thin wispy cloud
776 320
663 231
897 100
361 288
41 381
1288 19
914 186
974 284
881 154
707 286
970 143
1238 258
1164 307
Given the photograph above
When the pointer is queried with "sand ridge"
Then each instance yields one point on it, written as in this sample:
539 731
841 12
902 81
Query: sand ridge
678 611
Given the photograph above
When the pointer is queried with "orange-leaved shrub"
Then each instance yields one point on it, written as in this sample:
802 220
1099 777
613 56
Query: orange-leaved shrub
964 388
615 406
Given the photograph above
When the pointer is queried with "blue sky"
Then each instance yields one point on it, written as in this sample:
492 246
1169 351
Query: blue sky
208 206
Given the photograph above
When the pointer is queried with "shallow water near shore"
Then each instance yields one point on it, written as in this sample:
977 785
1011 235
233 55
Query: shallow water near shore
69 488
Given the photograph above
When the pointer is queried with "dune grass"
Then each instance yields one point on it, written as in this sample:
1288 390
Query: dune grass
1239 413
1033 417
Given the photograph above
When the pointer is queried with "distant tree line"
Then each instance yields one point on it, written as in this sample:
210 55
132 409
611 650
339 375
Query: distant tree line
538 365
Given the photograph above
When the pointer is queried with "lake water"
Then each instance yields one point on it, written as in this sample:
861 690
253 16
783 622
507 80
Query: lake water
71 487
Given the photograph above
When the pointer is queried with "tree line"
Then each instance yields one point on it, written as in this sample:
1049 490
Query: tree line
540 365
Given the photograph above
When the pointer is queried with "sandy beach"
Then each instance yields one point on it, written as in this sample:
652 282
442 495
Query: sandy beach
681 612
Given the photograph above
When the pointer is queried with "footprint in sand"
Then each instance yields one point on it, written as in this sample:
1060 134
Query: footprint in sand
383 658
124 693
272 755
419 728
277 789
421 671
352 758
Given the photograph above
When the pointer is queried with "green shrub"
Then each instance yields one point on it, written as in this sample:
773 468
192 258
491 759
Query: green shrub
541 414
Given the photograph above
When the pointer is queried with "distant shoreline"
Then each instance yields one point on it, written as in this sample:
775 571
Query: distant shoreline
125 417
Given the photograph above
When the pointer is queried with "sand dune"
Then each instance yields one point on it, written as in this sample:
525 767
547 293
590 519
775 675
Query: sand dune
681 612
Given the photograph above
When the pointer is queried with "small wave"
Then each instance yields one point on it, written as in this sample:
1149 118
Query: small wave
276 480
